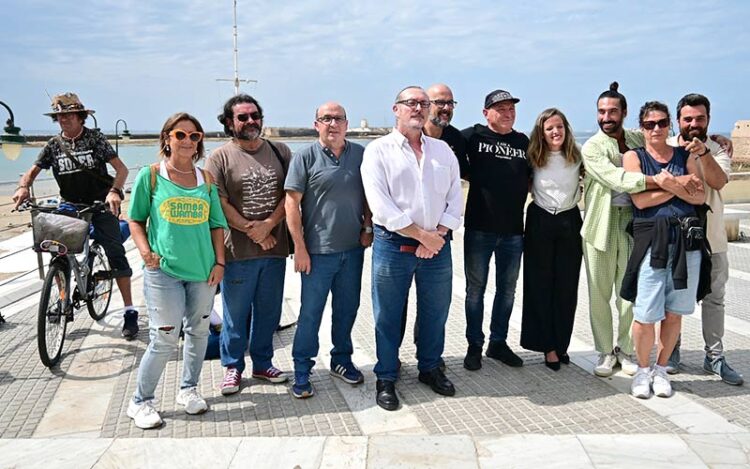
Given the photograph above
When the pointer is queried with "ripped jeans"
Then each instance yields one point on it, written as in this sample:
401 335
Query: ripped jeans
173 304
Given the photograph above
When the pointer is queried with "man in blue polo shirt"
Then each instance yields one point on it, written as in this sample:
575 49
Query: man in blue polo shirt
330 225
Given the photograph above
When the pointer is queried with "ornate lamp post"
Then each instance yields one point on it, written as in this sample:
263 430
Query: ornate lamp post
125 134
11 139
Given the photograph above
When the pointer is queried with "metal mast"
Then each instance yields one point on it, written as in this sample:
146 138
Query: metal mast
236 55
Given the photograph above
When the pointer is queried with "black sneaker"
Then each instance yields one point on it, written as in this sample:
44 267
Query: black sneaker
501 351
473 359
130 325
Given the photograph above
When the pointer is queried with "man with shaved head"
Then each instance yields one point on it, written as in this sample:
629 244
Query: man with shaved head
413 187
438 124
330 225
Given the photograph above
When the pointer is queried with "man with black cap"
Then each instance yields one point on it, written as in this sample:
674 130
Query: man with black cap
78 158
499 180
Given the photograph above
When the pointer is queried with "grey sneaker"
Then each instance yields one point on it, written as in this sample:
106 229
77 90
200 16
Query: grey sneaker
626 361
604 366
719 366
673 363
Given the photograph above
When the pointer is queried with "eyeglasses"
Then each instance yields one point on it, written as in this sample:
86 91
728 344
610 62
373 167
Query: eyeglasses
256 116
441 103
180 134
328 120
651 125
413 103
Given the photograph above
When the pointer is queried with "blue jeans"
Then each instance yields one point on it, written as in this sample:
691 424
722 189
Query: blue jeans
252 291
392 273
341 274
173 304
478 249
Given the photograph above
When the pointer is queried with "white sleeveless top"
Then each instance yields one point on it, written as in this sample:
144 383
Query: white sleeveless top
165 174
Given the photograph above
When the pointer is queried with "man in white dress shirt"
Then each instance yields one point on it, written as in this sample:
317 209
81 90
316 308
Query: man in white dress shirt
413 188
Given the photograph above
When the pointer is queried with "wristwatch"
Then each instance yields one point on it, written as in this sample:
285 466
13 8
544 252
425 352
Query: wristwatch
119 192
367 229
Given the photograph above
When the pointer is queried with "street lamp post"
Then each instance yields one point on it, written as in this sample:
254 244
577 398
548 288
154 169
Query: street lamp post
96 124
125 135
11 139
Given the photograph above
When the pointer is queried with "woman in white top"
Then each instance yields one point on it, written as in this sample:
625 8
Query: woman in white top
552 241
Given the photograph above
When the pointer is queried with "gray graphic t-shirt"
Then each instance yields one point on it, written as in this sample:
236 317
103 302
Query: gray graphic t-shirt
253 183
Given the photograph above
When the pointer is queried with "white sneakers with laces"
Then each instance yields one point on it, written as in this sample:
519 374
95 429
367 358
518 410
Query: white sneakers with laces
605 366
192 401
144 414
627 363
660 382
641 386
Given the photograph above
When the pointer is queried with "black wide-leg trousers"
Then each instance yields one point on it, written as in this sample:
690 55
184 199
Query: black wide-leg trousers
551 268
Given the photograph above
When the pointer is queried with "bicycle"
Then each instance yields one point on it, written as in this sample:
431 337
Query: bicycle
65 232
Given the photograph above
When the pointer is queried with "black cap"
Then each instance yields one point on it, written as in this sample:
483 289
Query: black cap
498 96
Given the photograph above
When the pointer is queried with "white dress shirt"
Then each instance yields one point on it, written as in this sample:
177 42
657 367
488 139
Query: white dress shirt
401 191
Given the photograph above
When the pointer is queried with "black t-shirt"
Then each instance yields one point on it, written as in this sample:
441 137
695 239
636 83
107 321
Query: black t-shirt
452 136
93 152
499 180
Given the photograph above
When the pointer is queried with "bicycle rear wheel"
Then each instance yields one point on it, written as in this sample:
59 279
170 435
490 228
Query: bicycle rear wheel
52 321
100 289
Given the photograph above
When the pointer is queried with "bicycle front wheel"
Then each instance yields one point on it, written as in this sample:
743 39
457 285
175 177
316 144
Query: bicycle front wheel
99 283
52 321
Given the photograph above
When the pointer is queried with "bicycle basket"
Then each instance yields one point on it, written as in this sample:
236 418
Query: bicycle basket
68 231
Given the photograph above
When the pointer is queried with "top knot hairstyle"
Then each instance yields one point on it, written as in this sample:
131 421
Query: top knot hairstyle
613 93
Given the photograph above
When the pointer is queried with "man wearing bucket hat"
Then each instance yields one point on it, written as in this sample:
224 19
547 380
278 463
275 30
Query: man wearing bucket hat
78 157
499 180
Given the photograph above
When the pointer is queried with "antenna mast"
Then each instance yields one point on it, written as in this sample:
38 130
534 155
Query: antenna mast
236 59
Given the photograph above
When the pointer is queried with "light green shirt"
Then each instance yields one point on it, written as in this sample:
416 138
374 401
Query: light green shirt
180 221
600 155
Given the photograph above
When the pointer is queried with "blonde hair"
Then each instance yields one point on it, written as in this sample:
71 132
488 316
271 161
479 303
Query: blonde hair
538 151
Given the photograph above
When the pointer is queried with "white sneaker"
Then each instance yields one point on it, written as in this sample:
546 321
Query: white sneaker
661 385
193 402
604 366
144 415
627 364
641 386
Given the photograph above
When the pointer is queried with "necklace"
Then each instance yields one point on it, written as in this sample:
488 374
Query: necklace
192 171
71 140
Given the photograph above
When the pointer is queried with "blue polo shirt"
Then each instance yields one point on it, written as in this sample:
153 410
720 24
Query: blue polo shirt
333 198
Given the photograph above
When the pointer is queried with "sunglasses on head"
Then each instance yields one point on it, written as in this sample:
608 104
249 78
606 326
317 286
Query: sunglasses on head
256 116
180 134
651 125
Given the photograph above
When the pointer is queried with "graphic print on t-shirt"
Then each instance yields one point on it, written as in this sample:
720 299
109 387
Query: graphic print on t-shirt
501 150
259 188
66 166
184 210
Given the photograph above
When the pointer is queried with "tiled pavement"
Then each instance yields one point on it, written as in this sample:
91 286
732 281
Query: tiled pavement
499 416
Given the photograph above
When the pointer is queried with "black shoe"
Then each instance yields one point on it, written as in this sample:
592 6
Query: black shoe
130 326
564 358
386 397
554 366
437 381
473 358
501 351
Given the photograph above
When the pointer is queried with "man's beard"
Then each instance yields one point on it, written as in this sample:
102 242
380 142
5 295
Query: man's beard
688 134
436 120
248 132
617 127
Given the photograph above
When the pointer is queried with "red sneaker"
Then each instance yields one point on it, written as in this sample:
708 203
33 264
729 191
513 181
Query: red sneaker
231 383
272 374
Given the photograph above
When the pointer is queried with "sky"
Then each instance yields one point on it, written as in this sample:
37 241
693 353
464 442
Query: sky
142 61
